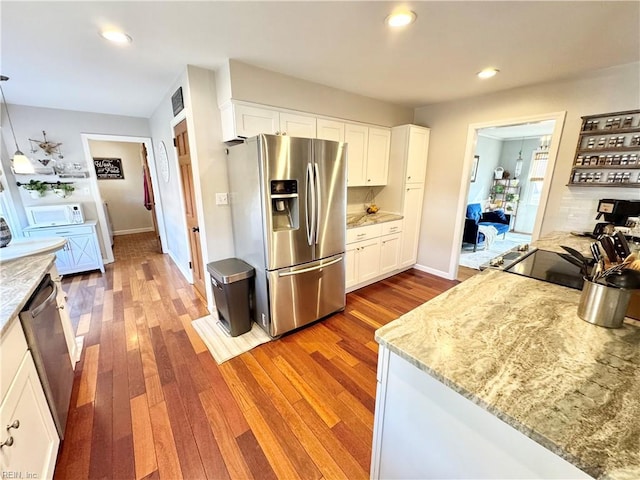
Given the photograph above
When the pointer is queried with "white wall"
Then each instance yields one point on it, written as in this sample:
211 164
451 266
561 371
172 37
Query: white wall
253 84
489 150
125 197
609 90
208 166
62 126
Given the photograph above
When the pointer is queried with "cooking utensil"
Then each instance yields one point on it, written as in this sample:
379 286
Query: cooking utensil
607 245
629 279
595 251
621 245
576 254
571 259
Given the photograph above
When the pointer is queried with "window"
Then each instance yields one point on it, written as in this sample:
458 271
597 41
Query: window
536 175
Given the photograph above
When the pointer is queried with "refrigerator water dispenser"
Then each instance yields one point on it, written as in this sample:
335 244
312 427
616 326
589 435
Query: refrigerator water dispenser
284 205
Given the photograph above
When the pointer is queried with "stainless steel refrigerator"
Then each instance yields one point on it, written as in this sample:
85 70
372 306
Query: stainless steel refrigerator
288 203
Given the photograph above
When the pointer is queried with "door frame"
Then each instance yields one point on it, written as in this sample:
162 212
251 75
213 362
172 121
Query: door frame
95 189
470 149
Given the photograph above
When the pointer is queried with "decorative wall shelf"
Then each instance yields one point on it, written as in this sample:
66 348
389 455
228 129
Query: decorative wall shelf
608 151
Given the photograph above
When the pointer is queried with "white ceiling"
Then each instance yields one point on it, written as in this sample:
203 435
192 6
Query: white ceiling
55 58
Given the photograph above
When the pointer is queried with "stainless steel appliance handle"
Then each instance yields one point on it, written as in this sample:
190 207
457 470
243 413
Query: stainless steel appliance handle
310 269
50 299
318 188
311 223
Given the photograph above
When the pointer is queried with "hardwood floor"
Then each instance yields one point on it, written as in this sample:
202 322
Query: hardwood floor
149 401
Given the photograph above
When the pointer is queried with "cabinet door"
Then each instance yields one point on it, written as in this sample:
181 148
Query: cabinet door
389 252
330 130
82 252
412 211
379 142
251 121
35 440
356 137
350 273
417 154
297 125
368 259
63 260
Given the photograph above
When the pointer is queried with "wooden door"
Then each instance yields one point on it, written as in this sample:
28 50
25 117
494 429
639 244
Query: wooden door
193 230
149 200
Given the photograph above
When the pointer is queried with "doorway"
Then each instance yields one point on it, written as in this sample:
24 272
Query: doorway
508 165
122 188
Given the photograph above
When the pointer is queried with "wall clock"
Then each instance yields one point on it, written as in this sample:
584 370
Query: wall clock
163 161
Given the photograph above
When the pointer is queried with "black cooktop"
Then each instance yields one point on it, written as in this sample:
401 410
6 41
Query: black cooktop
548 267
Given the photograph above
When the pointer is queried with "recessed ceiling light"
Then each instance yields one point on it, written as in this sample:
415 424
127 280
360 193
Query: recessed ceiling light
400 19
116 36
488 73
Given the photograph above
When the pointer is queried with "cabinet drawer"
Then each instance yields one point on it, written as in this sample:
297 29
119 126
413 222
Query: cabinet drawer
391 227
363 233
13 345
62 231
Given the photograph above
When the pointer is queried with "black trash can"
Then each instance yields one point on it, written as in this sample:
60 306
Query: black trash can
232 285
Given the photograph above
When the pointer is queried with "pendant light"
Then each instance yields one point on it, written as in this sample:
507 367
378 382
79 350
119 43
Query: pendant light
519 161
20 162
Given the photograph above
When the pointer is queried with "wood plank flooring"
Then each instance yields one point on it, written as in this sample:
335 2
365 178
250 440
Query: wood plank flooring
149 401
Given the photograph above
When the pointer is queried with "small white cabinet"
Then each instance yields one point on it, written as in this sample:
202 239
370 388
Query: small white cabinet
412 212
377 166
368 155
330 130
31 443
371 251
249 121
81 252
357 139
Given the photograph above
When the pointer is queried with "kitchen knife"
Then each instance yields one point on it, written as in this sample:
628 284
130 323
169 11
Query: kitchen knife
595 251
576 262
621 245
576 254
607 245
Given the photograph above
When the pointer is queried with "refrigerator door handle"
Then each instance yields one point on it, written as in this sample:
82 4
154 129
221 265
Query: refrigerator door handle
318 201
310 269
311 222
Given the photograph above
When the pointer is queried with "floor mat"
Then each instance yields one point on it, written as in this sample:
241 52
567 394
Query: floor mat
224 347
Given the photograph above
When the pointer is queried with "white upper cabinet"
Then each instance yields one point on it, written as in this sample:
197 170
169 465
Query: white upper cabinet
418 146
357 139
379 142
330 130
250 121
295 125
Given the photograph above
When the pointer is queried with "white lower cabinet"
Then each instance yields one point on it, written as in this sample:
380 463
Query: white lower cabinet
389 252
371 251
28 435
81 252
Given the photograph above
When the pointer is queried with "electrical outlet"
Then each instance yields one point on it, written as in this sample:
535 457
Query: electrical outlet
222 199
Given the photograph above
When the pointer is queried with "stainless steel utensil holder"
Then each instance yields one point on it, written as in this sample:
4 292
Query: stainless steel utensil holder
603 305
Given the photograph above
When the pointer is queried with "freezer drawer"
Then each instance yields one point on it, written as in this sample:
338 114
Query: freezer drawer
305 293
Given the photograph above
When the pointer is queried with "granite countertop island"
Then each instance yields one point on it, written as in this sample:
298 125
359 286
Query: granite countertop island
516 347
363 219
18 280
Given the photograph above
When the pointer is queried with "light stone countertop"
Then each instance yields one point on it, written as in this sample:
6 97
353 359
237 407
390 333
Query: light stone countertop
18 280
553 240
363 219
516 347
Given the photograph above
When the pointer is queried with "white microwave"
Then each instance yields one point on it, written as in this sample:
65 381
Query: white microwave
53 215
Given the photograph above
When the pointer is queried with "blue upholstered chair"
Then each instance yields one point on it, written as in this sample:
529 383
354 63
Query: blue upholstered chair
475 217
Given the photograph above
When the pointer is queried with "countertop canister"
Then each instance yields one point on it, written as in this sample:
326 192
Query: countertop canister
603 305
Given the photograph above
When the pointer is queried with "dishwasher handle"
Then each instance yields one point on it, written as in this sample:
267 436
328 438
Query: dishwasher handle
37 310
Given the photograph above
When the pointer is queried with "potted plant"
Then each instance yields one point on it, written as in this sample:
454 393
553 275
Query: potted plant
63 190
36 188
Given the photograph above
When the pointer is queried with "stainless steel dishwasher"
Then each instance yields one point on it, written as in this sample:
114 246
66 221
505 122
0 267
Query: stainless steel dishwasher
43 329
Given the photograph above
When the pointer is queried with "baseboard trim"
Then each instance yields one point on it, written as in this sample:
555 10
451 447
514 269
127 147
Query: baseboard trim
187 274
133 230
433 271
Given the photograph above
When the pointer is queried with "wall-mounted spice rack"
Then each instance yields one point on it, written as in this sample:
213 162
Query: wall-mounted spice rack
608 151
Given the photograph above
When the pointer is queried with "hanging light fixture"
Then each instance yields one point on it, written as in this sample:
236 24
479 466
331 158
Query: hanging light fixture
20 162
519 161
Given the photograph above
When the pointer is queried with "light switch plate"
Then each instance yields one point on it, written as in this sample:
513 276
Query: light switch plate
222 199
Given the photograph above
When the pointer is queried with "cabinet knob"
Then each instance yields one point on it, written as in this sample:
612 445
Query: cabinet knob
368 179
195 229
7 443
409 177
15 424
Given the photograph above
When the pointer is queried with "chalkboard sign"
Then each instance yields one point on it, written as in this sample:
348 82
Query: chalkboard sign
108 168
